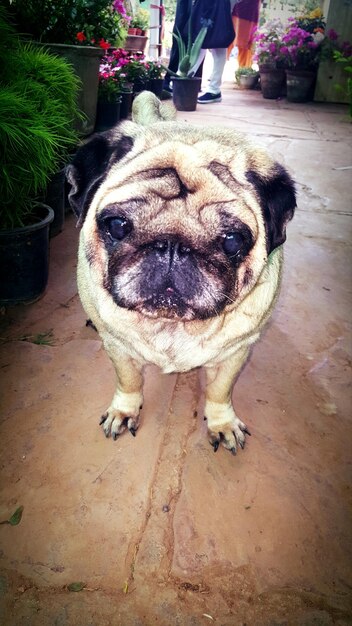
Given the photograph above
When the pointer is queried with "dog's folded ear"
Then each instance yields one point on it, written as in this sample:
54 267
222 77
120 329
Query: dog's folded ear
90 165
277 199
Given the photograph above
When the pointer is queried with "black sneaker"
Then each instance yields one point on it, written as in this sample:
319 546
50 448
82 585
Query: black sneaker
207 98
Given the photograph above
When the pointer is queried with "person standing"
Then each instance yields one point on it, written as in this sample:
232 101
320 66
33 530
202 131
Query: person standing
245 17
217 13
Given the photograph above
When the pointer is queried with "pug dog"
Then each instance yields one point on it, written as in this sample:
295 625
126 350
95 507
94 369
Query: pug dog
180 254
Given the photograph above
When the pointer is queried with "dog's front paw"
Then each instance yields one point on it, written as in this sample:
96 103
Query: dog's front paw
224 427
115 423
122 414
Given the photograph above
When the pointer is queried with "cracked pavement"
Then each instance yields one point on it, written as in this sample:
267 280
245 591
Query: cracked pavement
158 528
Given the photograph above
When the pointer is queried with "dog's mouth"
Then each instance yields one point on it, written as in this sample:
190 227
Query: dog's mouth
167 279
167 304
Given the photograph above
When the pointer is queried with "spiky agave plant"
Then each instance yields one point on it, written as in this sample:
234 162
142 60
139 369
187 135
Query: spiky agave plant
188 53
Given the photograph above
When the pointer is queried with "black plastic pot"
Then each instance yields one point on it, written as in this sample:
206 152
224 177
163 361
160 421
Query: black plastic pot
108 114
126 104
55 198
24 259
139 85
155 85
185 93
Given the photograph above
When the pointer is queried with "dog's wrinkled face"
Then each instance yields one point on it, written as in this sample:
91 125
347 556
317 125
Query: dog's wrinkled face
178 222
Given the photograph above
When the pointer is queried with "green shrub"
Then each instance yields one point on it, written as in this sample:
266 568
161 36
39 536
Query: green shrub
37 107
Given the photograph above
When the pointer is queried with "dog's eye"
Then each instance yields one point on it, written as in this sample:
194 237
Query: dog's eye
119 227
232 243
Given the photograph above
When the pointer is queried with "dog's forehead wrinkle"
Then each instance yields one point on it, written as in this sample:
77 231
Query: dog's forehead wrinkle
172 186
223 172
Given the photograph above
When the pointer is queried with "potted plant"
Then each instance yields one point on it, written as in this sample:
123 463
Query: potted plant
246 77
136 40
37 105
344 58
134 71
113 88
301 50
185 86
78 30
305 44
155 75
268 45
140 21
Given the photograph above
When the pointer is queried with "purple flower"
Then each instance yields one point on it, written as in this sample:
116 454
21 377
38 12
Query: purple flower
332 34
346 49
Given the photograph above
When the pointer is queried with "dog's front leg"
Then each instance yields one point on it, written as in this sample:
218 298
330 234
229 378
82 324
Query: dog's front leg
223 424
123 411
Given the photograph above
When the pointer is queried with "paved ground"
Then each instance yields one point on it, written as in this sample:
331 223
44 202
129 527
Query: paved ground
160 529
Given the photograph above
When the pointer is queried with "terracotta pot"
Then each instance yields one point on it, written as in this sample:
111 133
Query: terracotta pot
132 31
135 43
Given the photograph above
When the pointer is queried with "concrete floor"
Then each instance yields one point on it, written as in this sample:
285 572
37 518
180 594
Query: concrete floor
160 529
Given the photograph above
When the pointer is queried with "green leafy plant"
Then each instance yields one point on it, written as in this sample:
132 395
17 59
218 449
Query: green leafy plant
140 19
188 52
245 71
346 63
76 586
85 22
15 518
154 69
134 69
37 107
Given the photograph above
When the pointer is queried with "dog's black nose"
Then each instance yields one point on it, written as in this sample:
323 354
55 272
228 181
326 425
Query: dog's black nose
171 247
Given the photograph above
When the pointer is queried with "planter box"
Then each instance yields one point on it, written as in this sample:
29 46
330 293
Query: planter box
135 43
85 61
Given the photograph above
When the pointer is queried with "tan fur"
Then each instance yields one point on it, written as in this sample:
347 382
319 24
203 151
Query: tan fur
147 110
134 338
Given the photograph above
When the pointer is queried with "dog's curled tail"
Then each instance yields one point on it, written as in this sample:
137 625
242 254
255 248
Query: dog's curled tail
148 109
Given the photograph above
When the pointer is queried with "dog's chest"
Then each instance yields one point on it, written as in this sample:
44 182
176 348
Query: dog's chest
173 349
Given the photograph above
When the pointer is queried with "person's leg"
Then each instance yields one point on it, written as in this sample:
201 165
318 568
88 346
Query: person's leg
219 60
213 92
245 57
198 62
